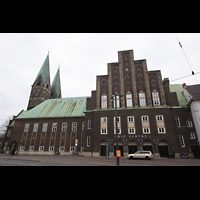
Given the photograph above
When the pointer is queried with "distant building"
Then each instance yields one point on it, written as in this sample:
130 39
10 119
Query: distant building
192 94
152 115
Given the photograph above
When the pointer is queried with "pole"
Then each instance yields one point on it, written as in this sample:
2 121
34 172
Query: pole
107 151
117 146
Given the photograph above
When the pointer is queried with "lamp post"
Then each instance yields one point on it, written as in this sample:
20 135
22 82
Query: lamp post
116 125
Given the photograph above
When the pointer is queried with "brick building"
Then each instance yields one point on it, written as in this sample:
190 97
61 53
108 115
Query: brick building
152 115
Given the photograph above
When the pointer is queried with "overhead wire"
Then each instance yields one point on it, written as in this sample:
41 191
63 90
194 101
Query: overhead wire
186 59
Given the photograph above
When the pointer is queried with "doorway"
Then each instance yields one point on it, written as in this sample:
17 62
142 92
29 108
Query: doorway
163 148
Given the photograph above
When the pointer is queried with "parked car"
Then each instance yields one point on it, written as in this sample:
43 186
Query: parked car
183 155
141 154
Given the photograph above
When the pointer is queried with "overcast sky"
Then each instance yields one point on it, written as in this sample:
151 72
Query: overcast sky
84 56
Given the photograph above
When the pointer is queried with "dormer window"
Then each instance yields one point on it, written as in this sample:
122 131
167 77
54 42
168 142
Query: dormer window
129 100
104 101
142 99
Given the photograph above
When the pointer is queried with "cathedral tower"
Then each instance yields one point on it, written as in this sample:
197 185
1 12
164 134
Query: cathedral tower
41 87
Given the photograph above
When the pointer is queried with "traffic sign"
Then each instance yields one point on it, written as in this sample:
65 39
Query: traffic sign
118 153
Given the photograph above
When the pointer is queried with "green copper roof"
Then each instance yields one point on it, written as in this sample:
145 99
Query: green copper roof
44 71
65 107
56 82
179 91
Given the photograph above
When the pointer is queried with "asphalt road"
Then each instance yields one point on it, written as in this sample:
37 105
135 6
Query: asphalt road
56 160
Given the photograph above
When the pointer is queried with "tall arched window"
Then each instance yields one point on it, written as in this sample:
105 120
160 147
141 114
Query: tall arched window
142 99
129 102
156 100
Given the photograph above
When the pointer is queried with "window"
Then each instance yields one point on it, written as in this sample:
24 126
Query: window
88 141
130 119
131 130
74 126
159 118
103 131
156 100
41 148
35 128
104 101
89 123
54 127
64 126
142 99
192 135
31 148
129 102
118 130
8 134
118 119
83 126
189 124
145 118
44 128
117 101
62 148
103 119
161 130
182 141
51 148
22 148
178 122
146 130
26 128
72 148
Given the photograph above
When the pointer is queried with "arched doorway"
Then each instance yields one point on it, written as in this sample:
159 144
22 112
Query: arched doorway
147 145
163 148
102 148
13 145
121 147
132 147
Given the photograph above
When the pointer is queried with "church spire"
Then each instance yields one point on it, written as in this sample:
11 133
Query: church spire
56 86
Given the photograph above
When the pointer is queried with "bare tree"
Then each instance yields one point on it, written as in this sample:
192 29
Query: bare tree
3 126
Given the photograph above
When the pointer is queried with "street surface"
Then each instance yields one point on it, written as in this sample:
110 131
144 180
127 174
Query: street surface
57 160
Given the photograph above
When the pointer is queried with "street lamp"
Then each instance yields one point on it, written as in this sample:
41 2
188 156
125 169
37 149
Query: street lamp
116 126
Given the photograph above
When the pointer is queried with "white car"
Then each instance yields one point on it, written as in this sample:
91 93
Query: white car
141 154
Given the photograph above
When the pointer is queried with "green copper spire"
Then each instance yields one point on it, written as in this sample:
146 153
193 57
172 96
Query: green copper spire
44 71
56 86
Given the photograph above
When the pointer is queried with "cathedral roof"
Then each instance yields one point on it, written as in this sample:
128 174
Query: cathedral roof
44 71
65 107
56 82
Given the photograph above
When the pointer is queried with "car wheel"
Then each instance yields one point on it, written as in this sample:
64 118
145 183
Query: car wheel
131 157
147 158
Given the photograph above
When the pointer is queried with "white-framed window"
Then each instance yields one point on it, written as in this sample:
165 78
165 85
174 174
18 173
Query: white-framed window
35 127
119 130
64 126
41 148
104 101
88 141
104 131
189 124
161 130
159 118
129 102
54 127
31 148
22 148
118 119
118 104
8 133
74 126
83 126
89 123
142 99
131 130
62 149
145 118
146 130
26 128
44 128
156 100
192 135
51 148
72 148
178 122
130 119
103 119
182 141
